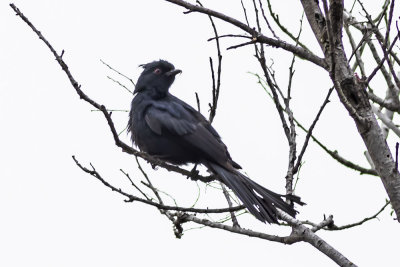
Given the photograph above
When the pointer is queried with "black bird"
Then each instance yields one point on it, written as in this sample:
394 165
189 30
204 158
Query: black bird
168 128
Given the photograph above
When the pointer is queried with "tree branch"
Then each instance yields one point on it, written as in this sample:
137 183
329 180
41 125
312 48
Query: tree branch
309 132
300 233
132 198
357 102
298 51
334 227
307 235
333 153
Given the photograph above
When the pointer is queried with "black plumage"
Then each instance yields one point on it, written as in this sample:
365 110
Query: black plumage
166 127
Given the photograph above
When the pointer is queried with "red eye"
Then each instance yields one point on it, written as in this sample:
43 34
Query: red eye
157 71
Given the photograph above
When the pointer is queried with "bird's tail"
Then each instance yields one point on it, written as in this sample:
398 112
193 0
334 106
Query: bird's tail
260 202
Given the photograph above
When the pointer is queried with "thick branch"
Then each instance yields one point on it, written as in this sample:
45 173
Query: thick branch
356 101
280 239
307 235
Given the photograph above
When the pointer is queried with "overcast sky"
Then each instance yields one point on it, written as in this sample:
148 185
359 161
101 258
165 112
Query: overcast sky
53 214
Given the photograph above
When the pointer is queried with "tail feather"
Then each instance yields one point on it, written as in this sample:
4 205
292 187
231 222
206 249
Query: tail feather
260 202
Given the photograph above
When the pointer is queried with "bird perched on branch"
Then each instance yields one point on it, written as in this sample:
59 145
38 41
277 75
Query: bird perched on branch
167 128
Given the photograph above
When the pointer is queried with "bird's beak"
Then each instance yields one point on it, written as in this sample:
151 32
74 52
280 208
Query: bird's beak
173 72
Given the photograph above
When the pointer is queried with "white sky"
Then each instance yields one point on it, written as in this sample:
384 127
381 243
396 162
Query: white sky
53 214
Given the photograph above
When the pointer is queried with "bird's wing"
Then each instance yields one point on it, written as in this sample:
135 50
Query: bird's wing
199 117
160 120
175 120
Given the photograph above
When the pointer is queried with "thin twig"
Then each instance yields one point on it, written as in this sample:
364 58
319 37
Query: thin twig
355 49
385 58
229 35
328 223
266 20
310 130
334 154
120 84
242 44
119 73
134 185
245 13
216 84
347 226
283 28
155 191
197 101
397 156
228 199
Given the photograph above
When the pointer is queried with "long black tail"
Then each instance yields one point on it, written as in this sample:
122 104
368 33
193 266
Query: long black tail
261 202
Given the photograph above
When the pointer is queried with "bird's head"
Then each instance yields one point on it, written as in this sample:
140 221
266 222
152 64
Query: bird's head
156 77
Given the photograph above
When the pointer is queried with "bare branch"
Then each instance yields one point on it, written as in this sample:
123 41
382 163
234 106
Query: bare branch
357 103
384 102
216 84
389 123
243 231
119 73
197 101
328 224
132 198
266 20
150 184
356 49
397 156
379 66
347 226
335 155
325 223
310 130
230 35
298 51
228 199
245 13
307 235
134 185
275 17
241 45
120 84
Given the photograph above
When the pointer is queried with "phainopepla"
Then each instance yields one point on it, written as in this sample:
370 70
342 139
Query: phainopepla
168 128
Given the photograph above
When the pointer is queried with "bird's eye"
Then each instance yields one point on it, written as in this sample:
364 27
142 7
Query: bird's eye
157 71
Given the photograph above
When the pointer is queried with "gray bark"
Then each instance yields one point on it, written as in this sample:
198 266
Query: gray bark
353 95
